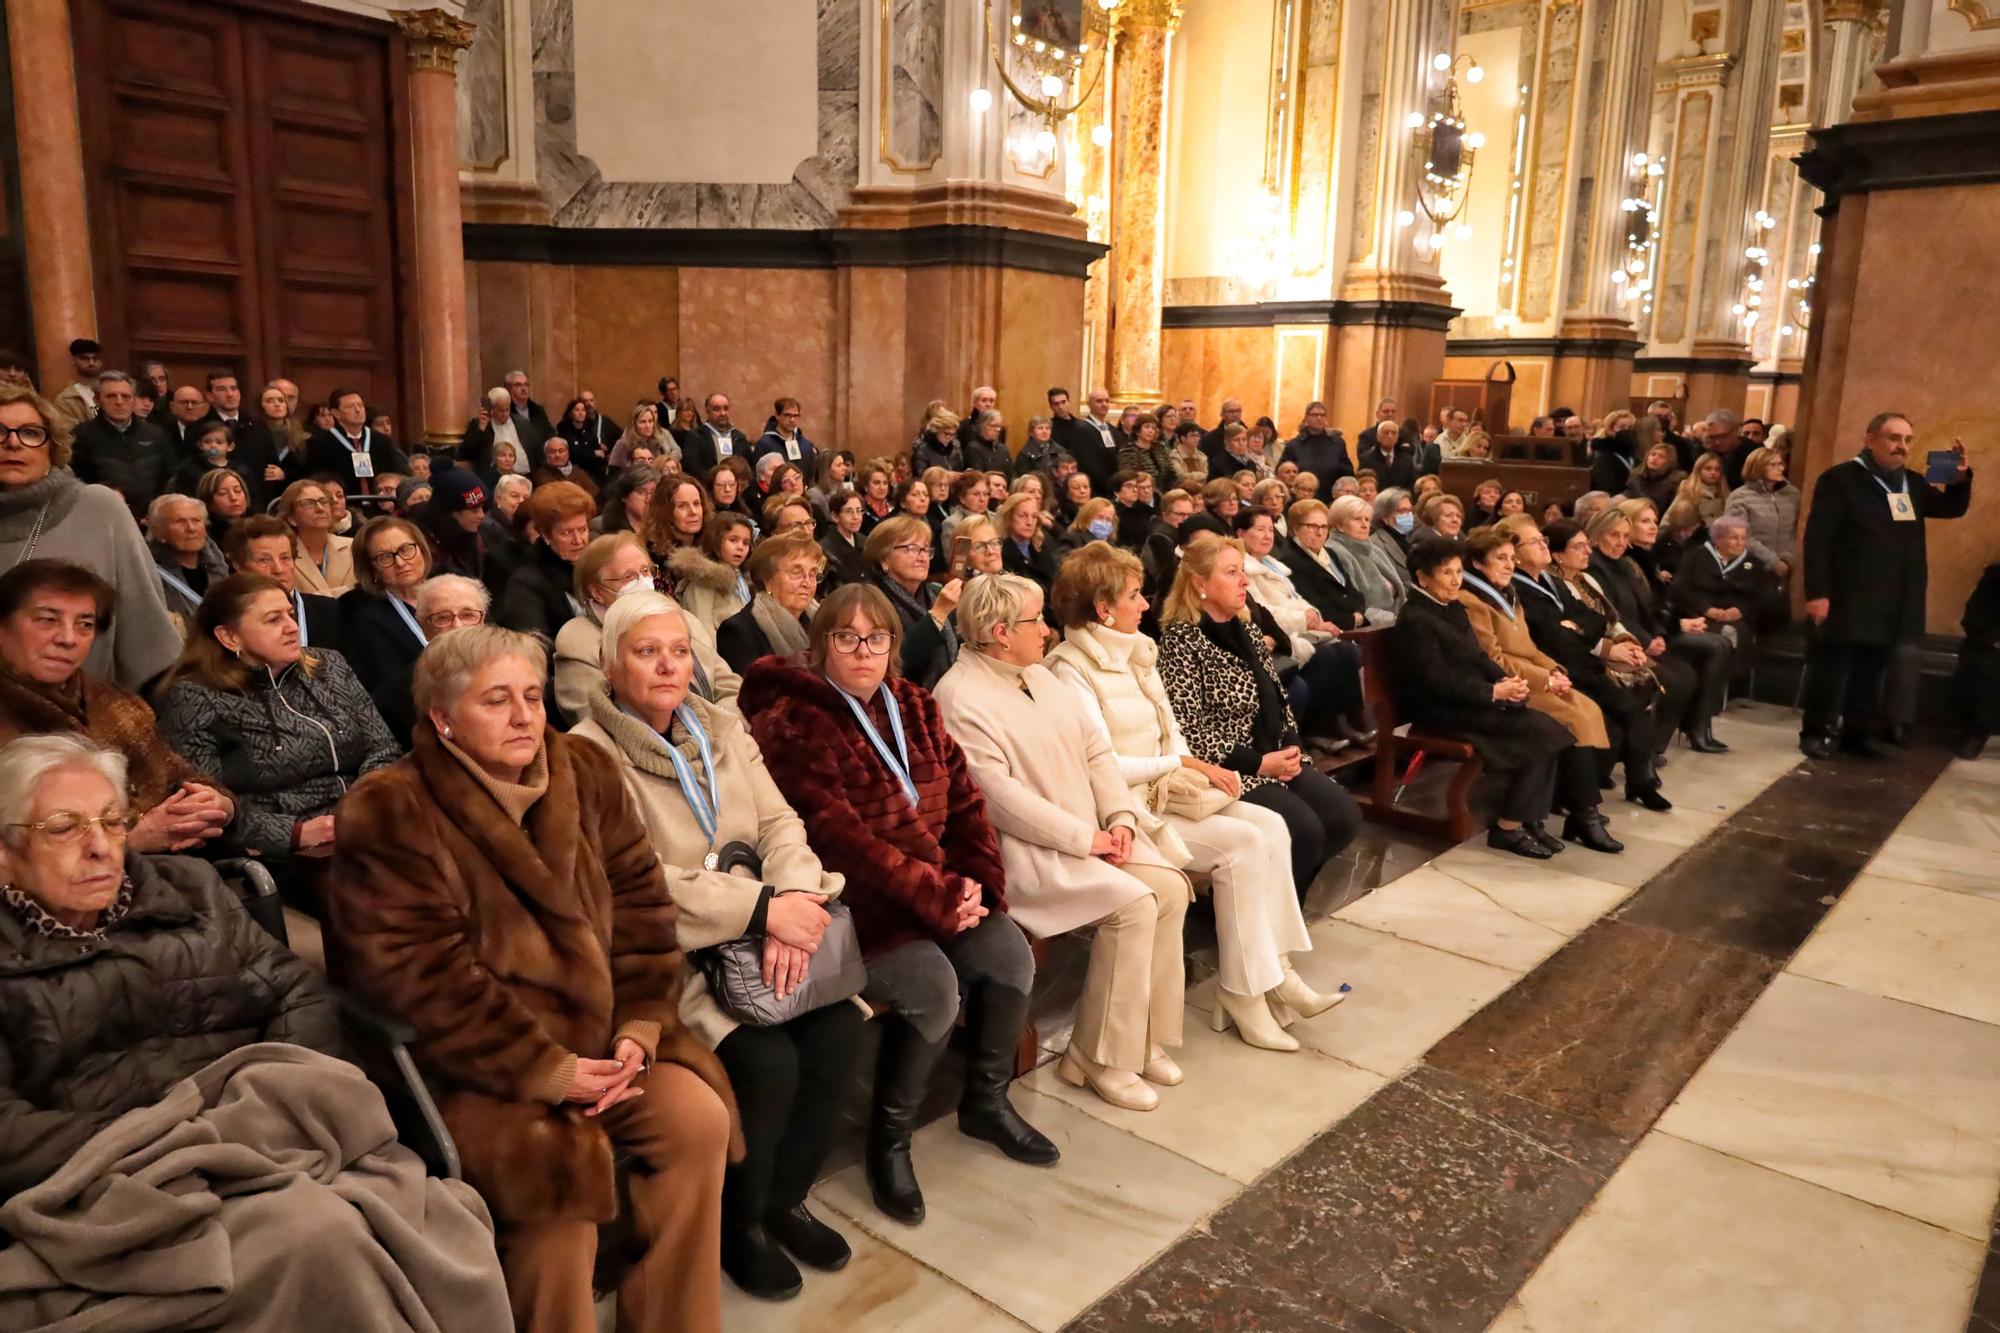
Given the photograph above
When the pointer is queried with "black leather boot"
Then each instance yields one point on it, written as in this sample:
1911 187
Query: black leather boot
808 1239
1650 797
901 1077
1702 740
1586 827
755 1263
984 1113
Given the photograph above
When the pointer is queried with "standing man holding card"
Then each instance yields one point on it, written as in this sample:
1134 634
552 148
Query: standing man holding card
1866 571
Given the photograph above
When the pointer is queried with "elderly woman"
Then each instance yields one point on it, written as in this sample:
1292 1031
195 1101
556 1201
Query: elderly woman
45 511
1730 587
1770 505
785 512
699 784
379 621
1371 565
121 976
937 444
286 730
1224 688
1493 609
508 906
846 558
1395 520
1243 848
51 612
185 556
899 559
1147 449
1319 578
610 567
1445 681
537 599
1071 842
785 571
1693 662
889 803
1574 624
1327 686
445 602
709 581
324 559
1441 515
1022 549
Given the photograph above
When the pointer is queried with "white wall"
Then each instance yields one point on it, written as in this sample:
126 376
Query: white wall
1471 268
1218 106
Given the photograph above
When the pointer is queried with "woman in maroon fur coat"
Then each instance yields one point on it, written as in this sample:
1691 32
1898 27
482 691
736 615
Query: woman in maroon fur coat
864 759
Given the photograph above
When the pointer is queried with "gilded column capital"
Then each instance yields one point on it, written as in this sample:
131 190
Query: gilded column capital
434 38
1132 14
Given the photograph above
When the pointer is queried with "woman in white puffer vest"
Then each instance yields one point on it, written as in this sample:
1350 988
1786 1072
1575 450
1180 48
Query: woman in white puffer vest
1243 848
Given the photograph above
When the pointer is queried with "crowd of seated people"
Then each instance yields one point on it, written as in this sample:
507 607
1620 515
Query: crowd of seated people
543 726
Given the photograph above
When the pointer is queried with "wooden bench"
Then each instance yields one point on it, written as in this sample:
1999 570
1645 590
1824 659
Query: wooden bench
1396 756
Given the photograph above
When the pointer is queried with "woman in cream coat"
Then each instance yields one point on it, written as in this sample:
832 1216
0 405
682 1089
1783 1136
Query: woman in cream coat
699 784
610 566
1072 841
1244 849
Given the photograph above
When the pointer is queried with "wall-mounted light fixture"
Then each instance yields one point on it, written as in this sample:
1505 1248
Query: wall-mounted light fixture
1447 150
1633 277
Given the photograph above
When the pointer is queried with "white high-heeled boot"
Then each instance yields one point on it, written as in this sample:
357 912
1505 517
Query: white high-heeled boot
1302 999
1253 1021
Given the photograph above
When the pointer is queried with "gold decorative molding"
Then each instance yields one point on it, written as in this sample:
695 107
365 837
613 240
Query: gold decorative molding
434 38
1695 71
1975 14
1940 83
1148 14
1846 11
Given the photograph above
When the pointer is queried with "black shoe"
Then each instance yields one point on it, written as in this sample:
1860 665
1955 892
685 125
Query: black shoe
1816 747
755 1263
809 1240
901 1077
1604 782
997 1015
1970 747
1702 740
1549 841
1348 730
1587 829
1518 841
1649 797
1869 747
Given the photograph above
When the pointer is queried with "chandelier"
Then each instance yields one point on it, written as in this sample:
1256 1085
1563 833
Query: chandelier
1048 45
1446 149
1636 269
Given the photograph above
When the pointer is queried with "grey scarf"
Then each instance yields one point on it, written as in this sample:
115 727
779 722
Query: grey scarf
781 627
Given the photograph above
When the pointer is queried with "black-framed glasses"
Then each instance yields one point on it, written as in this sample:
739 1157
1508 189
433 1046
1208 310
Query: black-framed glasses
848 642
384 559
28 437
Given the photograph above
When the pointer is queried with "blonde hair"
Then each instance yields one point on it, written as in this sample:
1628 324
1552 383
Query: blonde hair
449 662
1183 603
892 532
1005 517
590 565
51 420
1096 573
990 599
1089 510
1346 508
766 556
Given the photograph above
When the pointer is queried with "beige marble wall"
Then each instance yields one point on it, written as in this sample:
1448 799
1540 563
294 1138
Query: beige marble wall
627 333
756 334
1212 364
523 317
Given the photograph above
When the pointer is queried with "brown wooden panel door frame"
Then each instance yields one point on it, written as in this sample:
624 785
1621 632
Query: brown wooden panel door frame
89 31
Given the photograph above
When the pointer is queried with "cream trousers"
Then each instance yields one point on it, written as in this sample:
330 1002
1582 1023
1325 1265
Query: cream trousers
1247 855
1136 986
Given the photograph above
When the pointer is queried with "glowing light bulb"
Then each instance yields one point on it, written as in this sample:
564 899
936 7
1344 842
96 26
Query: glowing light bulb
1405 218
1052 86
1787 330
1441 61
1463 231
1045 143
1475 74
982 101
1416 120
1618 277
1101 135
1475 141
1640 159
1738 308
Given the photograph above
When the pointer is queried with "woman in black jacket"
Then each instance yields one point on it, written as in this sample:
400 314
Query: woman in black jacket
899 562
1975 685
785 571
1022 548
378 620
538 598
1692 663
843 543
1445 682
1319 577
1575 624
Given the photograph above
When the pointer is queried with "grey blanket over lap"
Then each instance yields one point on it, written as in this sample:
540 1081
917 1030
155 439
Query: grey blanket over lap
268 1191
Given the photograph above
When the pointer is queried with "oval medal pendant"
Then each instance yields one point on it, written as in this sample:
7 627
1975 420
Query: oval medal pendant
711 861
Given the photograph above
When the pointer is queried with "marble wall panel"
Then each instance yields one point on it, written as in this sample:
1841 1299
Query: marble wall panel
482 86
1685 172
757 334
1040 343
914 127
627 333
877 412
1209 365
1556 97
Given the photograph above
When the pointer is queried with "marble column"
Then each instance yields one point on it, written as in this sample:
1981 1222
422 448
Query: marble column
1848 41
433 40
1138 222
55 221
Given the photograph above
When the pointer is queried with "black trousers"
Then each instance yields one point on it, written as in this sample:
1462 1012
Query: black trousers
1843 687
788 1081
1708 655
1327 686
1630 718
1679 684
1319 814
1527 792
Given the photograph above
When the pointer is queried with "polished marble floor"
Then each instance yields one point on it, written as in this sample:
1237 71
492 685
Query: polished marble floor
1744 1077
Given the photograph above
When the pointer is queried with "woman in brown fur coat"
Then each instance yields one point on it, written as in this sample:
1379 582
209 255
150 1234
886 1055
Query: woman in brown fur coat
507 904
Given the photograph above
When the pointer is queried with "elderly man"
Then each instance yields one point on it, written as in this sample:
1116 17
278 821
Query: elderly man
529 418
1212 442
187 409
985 398
1388 410
187 561
116 448
1725 440
492 427
713 440
1866 575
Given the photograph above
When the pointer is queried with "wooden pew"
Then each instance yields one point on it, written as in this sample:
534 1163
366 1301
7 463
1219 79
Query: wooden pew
1393 752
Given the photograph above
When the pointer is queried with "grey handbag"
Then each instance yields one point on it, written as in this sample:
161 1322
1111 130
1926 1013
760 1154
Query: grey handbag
735 968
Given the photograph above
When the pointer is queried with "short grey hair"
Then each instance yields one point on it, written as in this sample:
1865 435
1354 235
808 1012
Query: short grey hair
624 617
1723 417
990 599
449 662
117 377
1347 508
26 760
1386 501
510 482
495 395
1589 503
1725 523
156 512
512 375
440 586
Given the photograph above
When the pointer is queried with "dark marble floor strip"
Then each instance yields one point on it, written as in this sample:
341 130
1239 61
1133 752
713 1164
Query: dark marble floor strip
1427 1207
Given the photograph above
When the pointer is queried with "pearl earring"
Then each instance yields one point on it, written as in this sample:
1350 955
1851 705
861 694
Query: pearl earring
445 732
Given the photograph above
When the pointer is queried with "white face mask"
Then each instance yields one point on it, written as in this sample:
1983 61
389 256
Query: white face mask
644 583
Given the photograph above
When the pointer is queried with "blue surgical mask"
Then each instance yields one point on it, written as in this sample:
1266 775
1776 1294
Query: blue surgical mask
1100 528
1405 521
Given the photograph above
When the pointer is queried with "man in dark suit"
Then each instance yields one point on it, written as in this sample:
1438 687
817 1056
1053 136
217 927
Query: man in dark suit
713 440
117 449
1095 447
985 398
225 401
530 421
352 451
1389 457
262 544
187 408
1066 432
1866 572
600 433
1318 450
1386 410
784 437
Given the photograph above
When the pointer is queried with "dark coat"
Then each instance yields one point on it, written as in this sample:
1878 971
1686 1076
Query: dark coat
993 457
1875 570
257 448
1325 456
1036 456
512 949
1975 686
1094 458
1339 603
1751 587
537 597
327 456
321 625
91 1029
926 453
288 749
1443 682
770 442
1612 462
1633 596
906 866
590 444
1038 564
380 644
928 649
844 563
1158 461
699 454
138 462
1564 628
1399 469
741 640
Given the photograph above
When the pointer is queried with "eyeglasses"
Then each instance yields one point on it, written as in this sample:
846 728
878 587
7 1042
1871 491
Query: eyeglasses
988 546
912 548
316 502
643 572
453 619
29 437
384 559
1312 527
848 642
806 575
67 827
